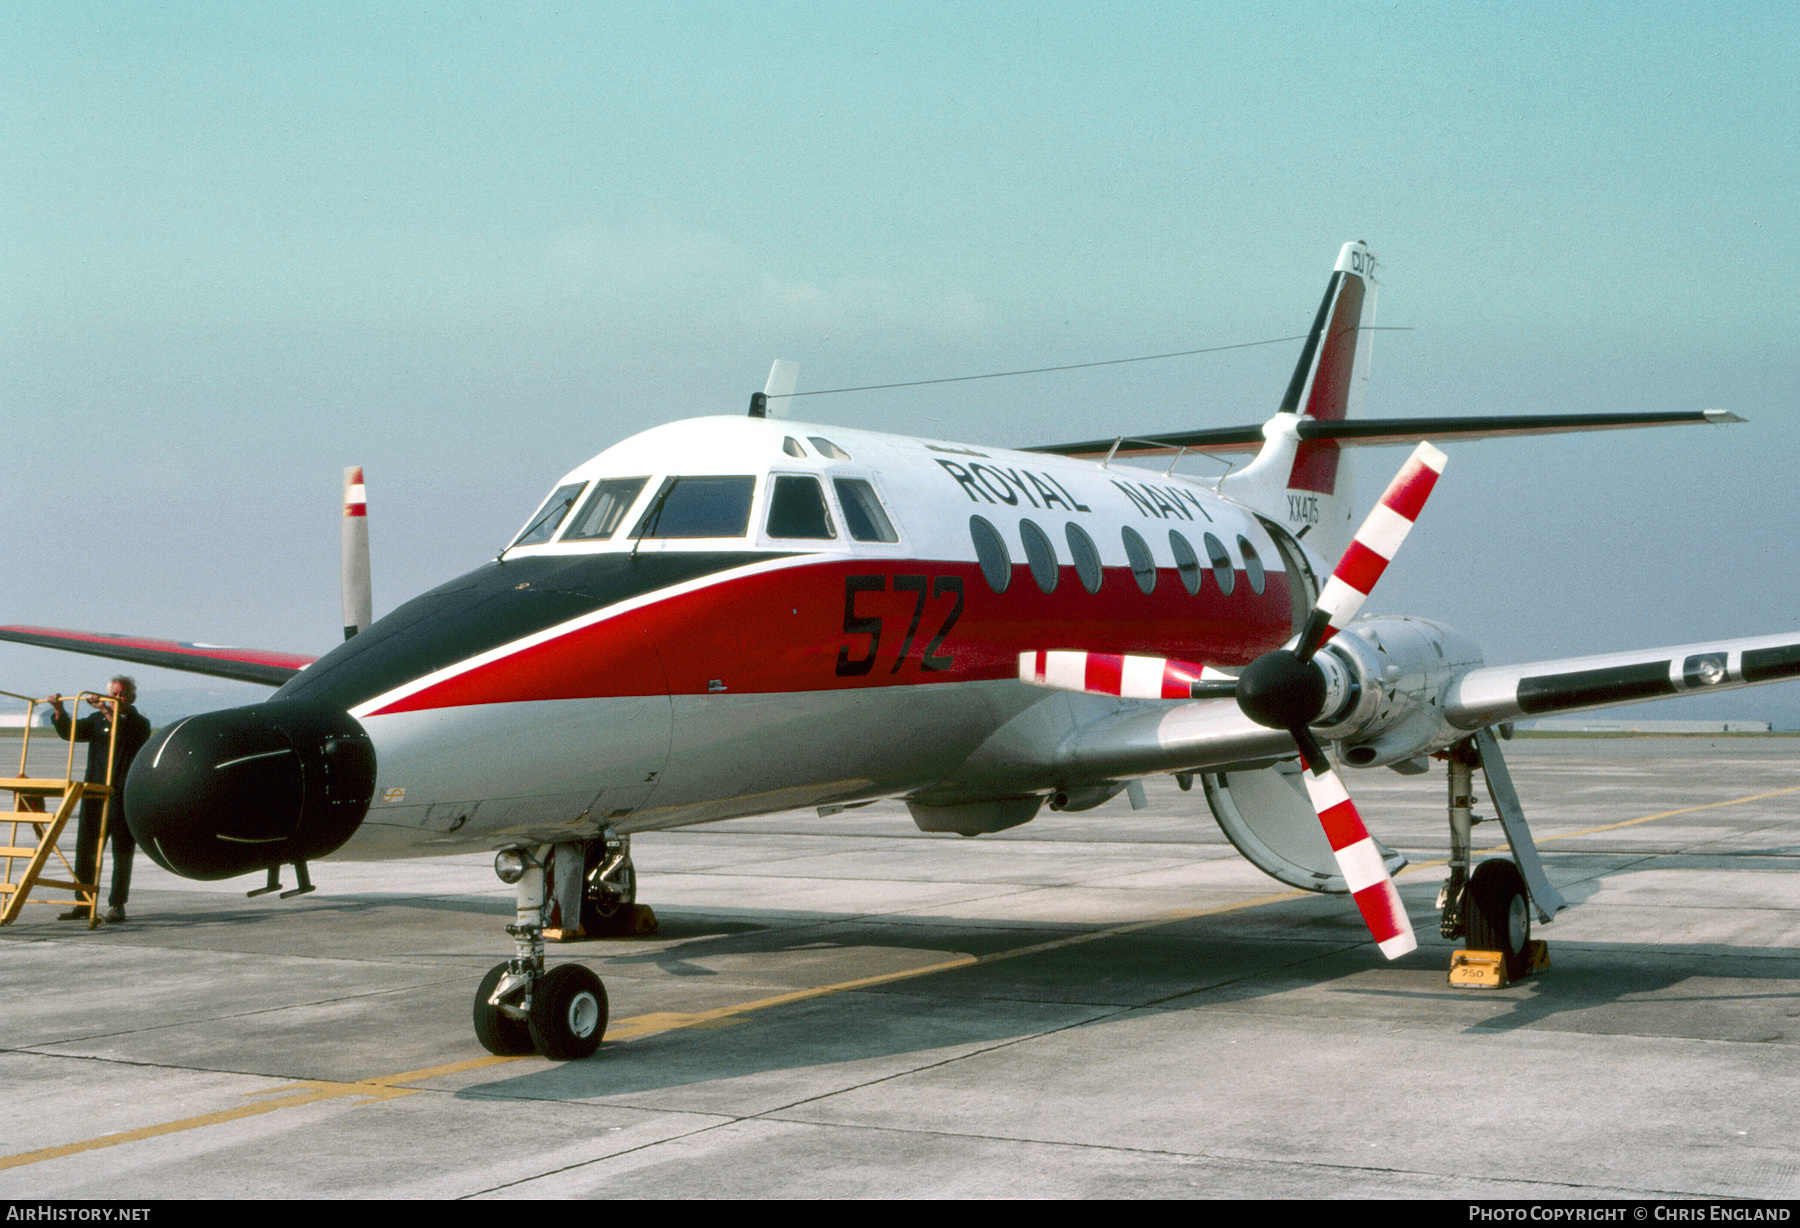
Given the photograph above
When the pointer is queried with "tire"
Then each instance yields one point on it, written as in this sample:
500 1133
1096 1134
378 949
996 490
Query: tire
1498 915
498 1032
568 1013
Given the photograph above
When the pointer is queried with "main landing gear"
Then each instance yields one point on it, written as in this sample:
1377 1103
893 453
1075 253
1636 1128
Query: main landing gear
559 1012
608 886
1490 907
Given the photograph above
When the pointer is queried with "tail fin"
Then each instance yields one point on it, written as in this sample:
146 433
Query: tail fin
1308 487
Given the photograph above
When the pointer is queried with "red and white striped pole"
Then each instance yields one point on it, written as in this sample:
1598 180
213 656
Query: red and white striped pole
358 607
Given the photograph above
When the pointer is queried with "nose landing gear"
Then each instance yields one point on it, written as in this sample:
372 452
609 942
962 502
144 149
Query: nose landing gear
520 1005
568 1013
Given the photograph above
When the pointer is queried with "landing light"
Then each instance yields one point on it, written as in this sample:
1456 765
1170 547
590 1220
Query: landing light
511 864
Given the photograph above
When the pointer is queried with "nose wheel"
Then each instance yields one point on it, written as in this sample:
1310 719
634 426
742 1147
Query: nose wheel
497 1025
520 1006
568 1013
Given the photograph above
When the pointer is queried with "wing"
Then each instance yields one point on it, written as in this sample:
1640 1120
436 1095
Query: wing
1493 694
217 660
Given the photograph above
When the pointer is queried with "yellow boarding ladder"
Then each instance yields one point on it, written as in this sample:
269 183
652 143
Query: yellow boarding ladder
29 795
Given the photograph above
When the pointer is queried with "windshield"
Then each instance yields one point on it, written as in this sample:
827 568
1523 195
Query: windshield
606 507
543 525
699 507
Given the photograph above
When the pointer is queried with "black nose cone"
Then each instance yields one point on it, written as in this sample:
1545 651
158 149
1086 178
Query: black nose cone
1281 691
231 792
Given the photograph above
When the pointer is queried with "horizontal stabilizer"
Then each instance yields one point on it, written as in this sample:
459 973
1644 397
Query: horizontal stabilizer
216 660
1376 432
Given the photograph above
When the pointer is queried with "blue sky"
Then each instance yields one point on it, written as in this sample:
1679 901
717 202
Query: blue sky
242 246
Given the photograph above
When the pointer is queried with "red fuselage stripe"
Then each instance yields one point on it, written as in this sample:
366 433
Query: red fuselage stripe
837 623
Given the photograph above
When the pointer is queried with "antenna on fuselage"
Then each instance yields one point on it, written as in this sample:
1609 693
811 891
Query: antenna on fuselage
783 375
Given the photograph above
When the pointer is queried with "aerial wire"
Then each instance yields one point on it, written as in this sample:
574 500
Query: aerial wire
1074 366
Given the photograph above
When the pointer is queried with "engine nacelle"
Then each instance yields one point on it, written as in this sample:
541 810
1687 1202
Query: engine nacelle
1386 678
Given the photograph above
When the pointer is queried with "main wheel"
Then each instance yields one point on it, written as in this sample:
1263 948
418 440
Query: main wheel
497 1031
1498 914
568 1013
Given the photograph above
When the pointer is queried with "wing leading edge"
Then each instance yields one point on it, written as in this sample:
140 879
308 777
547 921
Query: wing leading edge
215 660
1210 734
1490 695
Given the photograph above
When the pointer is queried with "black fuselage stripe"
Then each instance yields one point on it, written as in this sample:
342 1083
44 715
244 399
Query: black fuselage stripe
491 607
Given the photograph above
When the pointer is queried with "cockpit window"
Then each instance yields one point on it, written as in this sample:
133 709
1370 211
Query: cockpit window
543 525
827 448
797 509
698 507
863 514
792 447
599 517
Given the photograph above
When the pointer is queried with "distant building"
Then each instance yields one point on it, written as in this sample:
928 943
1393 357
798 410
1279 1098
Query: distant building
1577 725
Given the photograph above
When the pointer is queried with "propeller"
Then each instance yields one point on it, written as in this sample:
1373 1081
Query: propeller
1286 689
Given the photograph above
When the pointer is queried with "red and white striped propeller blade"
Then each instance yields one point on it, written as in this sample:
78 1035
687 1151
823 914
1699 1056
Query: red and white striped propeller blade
1110 673
1359 861
1376 542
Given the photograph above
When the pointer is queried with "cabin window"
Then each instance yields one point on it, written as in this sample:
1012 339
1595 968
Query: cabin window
1253 568
792 447
1222 569
543 526
1086 556
863 514
826 448
698 507
1040 555
599 517
1143 564
990 550
797 509
1187 563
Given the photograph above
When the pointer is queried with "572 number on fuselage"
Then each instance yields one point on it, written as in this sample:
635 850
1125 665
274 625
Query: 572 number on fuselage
859 628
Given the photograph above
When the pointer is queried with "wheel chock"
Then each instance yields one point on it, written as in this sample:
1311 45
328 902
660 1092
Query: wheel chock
1480 969
1487 969
632 921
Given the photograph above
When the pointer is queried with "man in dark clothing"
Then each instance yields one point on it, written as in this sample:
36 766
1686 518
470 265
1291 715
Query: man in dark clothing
97 731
